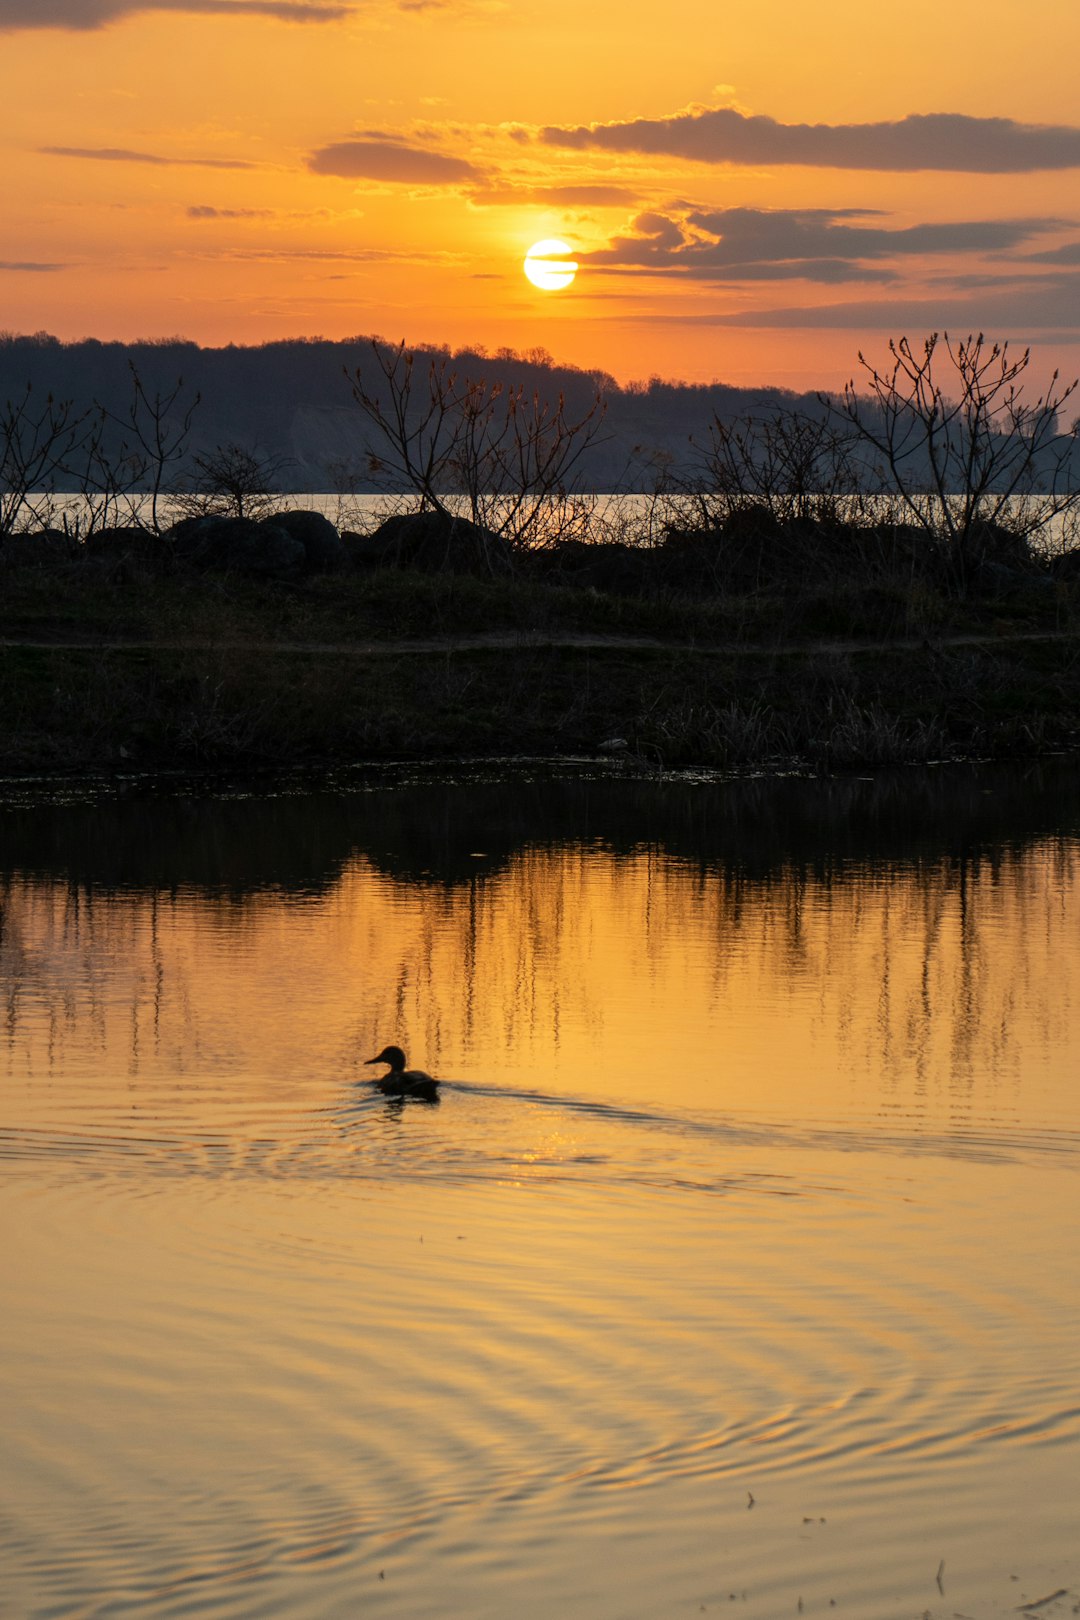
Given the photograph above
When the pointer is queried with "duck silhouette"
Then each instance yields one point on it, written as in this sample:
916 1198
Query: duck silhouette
403 1082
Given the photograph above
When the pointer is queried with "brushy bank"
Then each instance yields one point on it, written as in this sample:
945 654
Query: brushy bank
235 646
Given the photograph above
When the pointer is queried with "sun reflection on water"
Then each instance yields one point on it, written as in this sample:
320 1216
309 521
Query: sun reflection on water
754 1174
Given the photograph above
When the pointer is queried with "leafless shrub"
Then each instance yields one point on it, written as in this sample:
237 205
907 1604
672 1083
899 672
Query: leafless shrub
159 425
37 442
231 481
965 453
105 478
772 497
795 467
115 480
506 459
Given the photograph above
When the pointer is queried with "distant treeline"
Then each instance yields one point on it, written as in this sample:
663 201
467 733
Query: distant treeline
292 401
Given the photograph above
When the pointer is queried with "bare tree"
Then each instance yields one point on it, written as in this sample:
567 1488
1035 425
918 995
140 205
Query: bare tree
505 458
160 426
796 467
106 476
36 444
232 481
965 453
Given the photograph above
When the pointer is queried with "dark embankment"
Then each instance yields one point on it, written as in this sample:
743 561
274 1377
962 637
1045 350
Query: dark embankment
229 845
281 644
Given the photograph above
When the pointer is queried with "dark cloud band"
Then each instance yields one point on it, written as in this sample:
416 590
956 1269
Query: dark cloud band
123 154
1044 305
391 161
945 141
513 196
752 244
83 15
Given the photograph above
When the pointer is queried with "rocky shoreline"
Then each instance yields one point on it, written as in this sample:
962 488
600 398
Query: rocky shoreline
272 642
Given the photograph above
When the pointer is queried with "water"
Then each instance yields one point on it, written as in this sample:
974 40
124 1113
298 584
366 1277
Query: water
735 1269
632 518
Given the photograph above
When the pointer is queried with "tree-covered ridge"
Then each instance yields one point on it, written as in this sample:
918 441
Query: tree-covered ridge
292 400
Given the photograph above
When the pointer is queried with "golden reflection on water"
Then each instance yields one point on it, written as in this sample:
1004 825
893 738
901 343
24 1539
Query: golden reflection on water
754 1174
939 990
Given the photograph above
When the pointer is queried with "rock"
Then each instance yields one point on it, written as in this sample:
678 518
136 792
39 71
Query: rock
991 543
198 540
240 545
613 745
605 565
44 548
689 559
272 552
1066 566
753 522
360 550
437 543
992 578
130 543
323 549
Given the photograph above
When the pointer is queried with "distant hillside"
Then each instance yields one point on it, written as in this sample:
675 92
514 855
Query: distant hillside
291 401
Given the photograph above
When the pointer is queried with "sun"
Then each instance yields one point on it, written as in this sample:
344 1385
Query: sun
547 265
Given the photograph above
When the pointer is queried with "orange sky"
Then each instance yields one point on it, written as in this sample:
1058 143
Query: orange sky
236 170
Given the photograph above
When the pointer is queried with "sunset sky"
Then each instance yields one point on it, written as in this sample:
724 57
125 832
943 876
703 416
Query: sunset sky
752 193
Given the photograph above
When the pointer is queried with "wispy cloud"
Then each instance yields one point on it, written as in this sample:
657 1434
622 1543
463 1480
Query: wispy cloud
460 8
83 15
122 154
814 244
316 256
1069 253
570 196
379 158
947 141
30 264
1040 304
204 211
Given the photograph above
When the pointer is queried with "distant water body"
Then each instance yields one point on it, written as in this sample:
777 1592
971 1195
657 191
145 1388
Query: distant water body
642 519
735 1268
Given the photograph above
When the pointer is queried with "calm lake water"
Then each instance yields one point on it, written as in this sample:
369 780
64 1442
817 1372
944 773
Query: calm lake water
634 518
736 1269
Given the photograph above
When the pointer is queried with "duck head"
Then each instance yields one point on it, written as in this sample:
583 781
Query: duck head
392 1055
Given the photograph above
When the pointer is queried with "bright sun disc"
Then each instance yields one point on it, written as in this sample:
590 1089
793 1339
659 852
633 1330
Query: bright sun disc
547 265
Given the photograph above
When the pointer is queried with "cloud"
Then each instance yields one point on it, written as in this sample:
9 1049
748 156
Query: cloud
513 196
816 244
819 231
122 154
371 158
948 141
1068 254
288 255
1047 303
204 211
89 14
29 264
461 8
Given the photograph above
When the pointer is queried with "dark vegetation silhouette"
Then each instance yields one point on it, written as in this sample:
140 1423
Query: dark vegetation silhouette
228 848
840 580
288 399
941 463
509 460
977 466
229 481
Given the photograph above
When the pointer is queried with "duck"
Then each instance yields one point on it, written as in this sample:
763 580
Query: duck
403 1082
